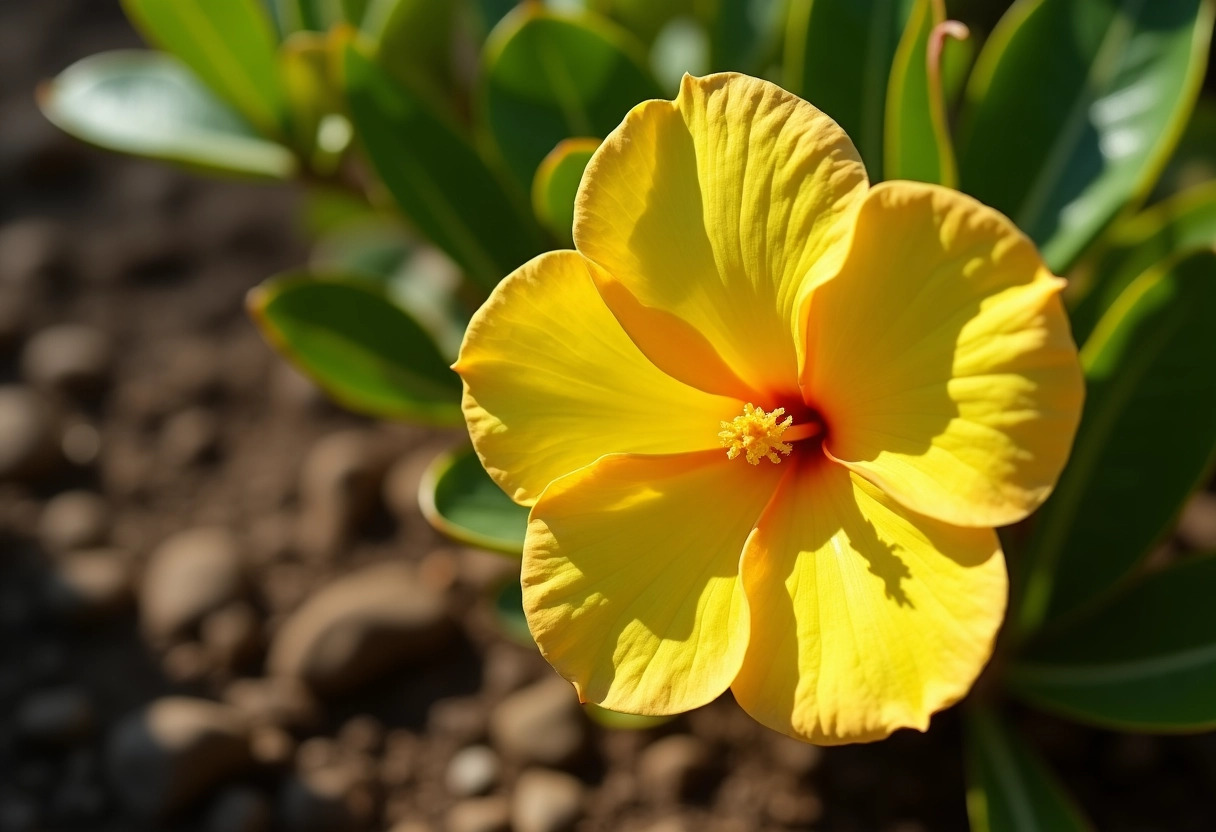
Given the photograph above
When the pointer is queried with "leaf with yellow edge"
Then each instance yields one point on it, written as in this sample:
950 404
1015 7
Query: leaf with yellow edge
460 500
556 184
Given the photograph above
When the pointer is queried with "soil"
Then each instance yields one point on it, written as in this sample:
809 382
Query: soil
173 416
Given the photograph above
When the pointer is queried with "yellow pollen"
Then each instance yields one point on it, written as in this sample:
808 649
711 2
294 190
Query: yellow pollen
756 434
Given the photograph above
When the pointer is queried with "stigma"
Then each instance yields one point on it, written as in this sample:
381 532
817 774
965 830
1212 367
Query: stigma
756 434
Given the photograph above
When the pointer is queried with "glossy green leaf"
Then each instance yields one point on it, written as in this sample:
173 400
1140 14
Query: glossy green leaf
149 104
459 499
1145 660
413 38
1147 438
645 18
1009 789
548 77
362 349
1182 223
311 15
743 34
838 56
1193 162
1073 109
230 44
438 180
509 613
306 63
556 184
916 130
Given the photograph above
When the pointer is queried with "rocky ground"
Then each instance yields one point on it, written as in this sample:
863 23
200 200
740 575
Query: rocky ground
220 609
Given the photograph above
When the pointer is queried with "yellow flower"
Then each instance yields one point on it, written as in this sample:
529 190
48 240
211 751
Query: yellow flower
766 417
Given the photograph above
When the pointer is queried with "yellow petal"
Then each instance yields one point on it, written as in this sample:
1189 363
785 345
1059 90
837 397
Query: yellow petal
552 383
941 357
630 577
710 216
866 618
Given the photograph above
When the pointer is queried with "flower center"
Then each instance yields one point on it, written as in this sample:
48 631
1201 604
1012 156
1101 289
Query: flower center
763 435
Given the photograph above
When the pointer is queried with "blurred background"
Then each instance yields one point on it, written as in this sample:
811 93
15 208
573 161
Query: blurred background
221 609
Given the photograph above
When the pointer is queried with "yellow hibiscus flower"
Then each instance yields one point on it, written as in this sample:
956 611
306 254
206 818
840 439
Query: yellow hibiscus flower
766 417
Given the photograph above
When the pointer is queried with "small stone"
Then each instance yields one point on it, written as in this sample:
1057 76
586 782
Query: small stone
28 435
540 724
799 757
232 634
32 251
187 663
333 798
676 769
189 575
90 585
74 520
71 360
63 717
363 734
189 437
282 701
508 667
402 751
1197 526
459 718
165 756
403 479
339 490
271 746
472 771
238 809
359 627
546 801
480 814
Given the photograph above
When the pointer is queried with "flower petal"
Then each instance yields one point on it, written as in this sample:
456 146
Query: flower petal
710 216
941 357
552 383
630 577
866 618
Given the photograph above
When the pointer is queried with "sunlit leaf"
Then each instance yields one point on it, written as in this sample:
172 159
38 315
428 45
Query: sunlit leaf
358 346
1073 109
436 176
459 499
1009 789
548 77
413 38
556 183
230 44
1145 660
743 34
1147 439
149 104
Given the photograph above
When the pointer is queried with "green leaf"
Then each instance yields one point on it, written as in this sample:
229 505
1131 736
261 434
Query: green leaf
413 38
1073 109
1009 789
1146 440
363 350
311 15
230 44
306 63
548 77
1145 660
509 613
1193 162
682 46
149 104
743 34
436 177
916 130
838 56
556 183
1182 223
459 499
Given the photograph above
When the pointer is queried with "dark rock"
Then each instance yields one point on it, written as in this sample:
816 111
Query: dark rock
74 520
480 814
190 575
165 756
541 724
357 628
339 490
187 663
677 769
68 359
332 798
29 441
472 771
62 716
546 801
238 809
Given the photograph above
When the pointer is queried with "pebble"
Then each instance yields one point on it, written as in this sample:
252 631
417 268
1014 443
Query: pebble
60 716
676 769
546 801
272 746
403 479
71 360
541 724
31 251
339 490
90 585
168 754
238 809
480 814
472 771
281 701
334 798
189 437
363 734
74 520
187 663
357 628
802 758
29 443
189 575
232 635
